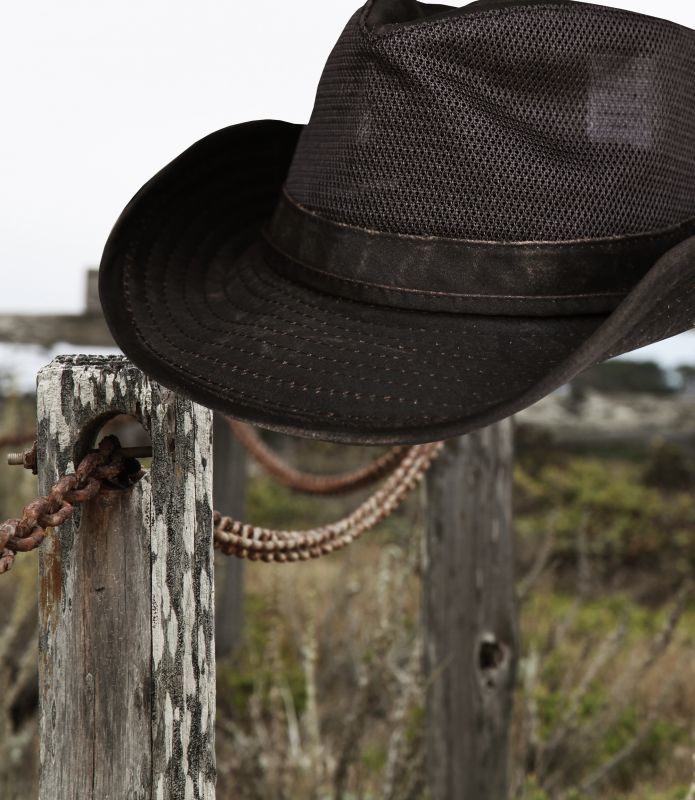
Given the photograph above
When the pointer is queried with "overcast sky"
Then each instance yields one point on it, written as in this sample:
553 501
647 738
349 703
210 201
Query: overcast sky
97 96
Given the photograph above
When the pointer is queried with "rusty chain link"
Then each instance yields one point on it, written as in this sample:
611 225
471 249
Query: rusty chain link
306 482
110 467
105 466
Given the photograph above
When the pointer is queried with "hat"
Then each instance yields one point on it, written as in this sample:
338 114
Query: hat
485 201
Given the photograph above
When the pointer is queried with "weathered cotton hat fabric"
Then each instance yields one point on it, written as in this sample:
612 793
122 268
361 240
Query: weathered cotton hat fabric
486 201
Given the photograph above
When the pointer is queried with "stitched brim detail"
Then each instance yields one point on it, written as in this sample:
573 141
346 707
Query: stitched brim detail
190 299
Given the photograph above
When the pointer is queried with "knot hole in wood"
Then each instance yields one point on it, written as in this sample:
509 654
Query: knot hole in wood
492 659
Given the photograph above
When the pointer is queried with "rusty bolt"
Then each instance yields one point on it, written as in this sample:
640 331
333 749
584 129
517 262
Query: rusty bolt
28 459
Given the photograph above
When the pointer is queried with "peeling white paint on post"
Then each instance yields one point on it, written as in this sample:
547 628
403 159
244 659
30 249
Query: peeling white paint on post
127 663
470 616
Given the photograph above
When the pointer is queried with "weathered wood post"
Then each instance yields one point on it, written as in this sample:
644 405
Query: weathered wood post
470 622
127 664
229 497
89 328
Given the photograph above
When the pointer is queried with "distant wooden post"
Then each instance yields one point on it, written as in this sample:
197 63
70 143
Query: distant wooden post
229 497
48 329
127 664
470 621
92 303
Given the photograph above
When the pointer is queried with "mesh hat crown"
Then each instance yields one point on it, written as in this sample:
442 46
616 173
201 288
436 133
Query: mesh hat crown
500 121
486 201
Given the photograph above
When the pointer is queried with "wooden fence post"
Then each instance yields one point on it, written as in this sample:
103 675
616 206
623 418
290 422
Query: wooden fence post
89 328
126 663
470 622
229 497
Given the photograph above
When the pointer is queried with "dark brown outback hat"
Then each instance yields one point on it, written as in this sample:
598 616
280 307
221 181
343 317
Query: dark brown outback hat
486 201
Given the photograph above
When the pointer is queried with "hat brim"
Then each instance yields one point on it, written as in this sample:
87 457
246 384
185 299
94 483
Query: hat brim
189 297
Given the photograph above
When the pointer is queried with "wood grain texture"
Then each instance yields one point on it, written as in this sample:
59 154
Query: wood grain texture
229 497
470 618
127 664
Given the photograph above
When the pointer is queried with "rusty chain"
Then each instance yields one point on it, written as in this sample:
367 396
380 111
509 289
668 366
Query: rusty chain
308 483
106 466
110 467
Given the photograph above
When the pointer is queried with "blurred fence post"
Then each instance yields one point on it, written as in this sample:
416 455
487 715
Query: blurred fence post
470 619
48 329
229 496
126 662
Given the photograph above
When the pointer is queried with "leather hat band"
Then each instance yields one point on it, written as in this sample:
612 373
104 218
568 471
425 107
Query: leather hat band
460 276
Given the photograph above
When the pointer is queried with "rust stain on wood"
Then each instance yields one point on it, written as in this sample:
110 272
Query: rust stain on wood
51 583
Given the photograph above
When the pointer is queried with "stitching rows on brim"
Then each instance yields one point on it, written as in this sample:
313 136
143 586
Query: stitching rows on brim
219 362
303 413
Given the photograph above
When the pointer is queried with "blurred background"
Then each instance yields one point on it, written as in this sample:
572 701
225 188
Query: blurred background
321 697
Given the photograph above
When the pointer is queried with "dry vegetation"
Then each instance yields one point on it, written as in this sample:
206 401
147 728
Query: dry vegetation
325 698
